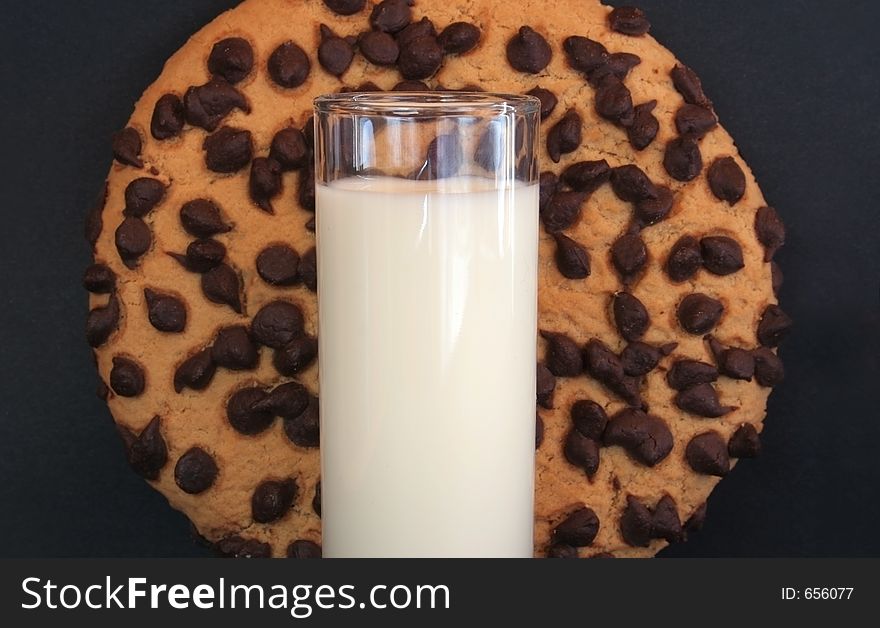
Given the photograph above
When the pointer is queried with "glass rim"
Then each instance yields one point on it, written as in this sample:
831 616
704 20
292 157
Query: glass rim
426 104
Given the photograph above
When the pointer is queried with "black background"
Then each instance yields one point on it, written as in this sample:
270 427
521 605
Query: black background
795 82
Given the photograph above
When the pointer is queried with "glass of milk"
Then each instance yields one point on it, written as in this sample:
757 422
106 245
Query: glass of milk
427 237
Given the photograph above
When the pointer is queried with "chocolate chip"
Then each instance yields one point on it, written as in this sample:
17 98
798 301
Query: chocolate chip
694 120
726 180
99 279
272 499
206 105
768 367
686 373
228 149
304 429
629 255
335 53
237 547
142 195
685 259
614 101
645 437
635 523
202 255
102 321
168 117
582 452
289 149
589 418
770 231
146 452
702 400
201 218
697 519
773 326
745 442
631 184
196 372
303 549
410 86
699 314
644 126
444 156
578 529
232 58
706 453
561 550
721 255
391 16
308 269
733 362
277 323
572 259
306 184
665 522
563 356
548 100
649 211
287 400
562 210
618 65
548 184
683 160
737 363
264 182
289 65
345 7
546 383
605 366
127 377
776 277
195 471
459 38
246 412
539 430
233 349
127 147
584 55
630 316
639 358
316 500
487 154
222 285
564 136
296 355
689 86
420 58
166 312
379 47
423 28
277 265
629 21
528 51
133 239
586 176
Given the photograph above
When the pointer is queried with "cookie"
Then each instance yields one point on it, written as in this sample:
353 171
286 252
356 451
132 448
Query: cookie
658 319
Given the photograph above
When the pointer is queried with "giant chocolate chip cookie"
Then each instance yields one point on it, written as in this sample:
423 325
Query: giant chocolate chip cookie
658 322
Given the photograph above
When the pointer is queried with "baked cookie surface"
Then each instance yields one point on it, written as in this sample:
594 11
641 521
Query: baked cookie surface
657 315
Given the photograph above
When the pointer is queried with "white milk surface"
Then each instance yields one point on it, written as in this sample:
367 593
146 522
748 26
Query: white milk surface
427 317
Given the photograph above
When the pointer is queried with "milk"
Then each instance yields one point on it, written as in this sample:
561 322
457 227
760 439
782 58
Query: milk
427 318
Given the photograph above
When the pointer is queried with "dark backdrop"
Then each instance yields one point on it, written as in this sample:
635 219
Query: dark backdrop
795 82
